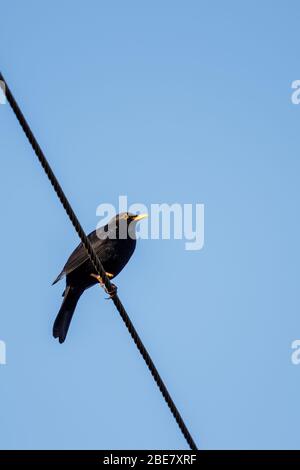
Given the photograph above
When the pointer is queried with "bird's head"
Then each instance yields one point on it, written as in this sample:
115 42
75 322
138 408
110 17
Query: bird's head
125 223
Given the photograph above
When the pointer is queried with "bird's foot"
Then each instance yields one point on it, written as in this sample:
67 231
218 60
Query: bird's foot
112 292
114 288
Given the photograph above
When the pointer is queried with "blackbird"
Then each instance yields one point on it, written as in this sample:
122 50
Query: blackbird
114 244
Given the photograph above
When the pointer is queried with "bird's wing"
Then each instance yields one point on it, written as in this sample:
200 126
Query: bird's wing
79 255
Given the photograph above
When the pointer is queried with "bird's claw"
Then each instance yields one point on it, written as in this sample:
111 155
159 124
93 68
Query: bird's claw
112 292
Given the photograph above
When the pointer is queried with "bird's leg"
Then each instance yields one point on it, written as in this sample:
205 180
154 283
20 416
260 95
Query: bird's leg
100 280
112 292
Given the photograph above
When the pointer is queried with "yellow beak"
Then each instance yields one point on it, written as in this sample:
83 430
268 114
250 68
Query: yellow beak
140 217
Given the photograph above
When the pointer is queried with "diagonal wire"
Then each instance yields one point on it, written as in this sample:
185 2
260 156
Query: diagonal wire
97 264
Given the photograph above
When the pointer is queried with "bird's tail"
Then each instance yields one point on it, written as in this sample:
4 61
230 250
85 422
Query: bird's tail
65 314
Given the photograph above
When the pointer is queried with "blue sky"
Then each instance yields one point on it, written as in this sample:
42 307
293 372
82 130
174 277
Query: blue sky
164 101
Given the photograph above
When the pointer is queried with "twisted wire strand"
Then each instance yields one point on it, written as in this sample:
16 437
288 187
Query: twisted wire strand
97 264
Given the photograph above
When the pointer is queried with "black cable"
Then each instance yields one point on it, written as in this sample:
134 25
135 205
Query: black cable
97 263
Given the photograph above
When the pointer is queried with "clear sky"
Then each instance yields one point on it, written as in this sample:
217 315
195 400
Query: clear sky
164 101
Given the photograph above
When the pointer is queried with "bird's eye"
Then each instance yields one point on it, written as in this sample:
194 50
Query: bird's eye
126 216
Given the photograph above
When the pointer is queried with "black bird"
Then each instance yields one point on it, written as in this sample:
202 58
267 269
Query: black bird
114 244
